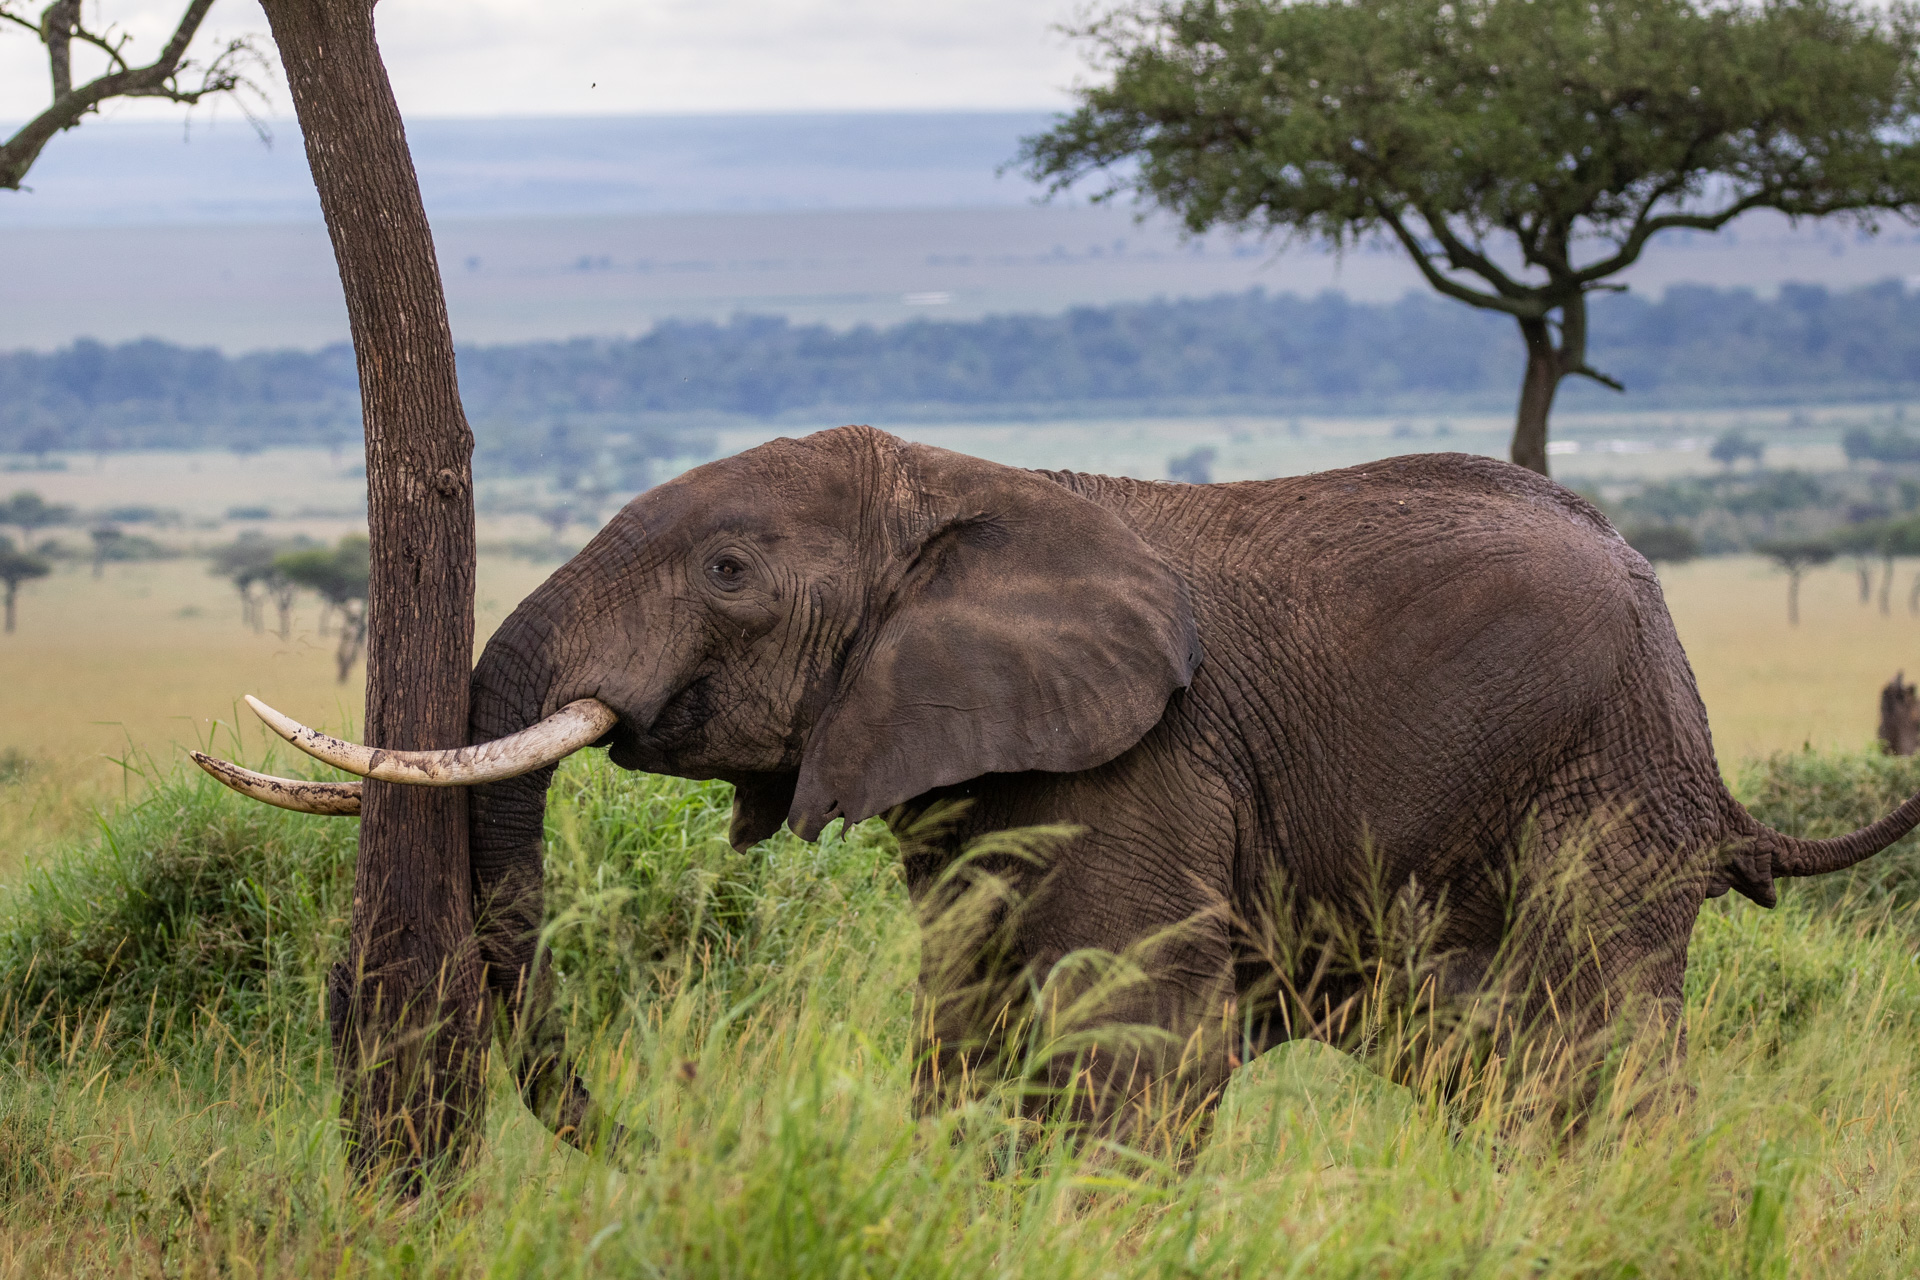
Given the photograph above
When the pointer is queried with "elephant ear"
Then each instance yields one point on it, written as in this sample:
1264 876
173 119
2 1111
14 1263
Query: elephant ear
1031 630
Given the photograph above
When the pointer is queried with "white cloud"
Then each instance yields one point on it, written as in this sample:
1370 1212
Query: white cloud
518 57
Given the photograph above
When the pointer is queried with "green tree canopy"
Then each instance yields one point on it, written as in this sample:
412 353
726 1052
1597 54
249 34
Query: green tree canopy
1796 556
1522 152
339 576
1664 543
27 511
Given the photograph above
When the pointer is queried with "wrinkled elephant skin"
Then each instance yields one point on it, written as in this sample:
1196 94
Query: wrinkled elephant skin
1421 672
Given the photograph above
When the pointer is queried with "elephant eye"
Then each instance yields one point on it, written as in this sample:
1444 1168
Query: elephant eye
728 573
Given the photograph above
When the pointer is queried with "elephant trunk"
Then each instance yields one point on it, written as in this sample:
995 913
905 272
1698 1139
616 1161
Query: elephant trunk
506 822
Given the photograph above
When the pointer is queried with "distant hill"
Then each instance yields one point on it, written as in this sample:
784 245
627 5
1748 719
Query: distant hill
142 173
569 403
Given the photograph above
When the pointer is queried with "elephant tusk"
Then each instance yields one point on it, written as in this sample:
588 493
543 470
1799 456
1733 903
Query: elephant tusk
576 725
329 799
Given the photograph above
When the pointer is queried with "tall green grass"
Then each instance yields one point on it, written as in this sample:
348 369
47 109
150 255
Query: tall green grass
751 1011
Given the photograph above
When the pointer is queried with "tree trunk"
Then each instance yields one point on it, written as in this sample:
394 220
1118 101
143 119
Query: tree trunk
12 589
1544 371
407 1008
1793 597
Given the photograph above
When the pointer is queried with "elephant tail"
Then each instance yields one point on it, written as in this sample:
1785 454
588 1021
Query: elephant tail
1794 856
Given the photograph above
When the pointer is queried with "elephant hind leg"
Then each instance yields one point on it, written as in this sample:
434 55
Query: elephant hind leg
1586 994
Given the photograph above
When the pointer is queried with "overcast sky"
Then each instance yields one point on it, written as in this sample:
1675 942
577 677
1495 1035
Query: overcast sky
520 57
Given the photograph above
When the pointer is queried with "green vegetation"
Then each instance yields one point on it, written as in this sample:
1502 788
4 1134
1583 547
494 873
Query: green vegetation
614 412
1821 794
164 1104
28 512
1664 543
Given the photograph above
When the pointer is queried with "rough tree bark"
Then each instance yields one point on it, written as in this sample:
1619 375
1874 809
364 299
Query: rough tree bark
407 1008
1545 369
1549 364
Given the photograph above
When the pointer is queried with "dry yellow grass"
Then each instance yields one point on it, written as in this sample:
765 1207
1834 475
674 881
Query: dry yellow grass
152 658
1771 687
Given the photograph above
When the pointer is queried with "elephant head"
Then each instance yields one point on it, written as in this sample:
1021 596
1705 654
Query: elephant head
834 625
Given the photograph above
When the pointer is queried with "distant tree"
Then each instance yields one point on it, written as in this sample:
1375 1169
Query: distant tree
338 575
1735 445
1900 540
1865 543
28 512
17 567
61 25
247 562
1796 556
1195 467
1892 445
106 539
1664 543
1521 152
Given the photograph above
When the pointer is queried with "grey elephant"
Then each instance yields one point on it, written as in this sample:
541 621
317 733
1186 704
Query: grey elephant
1432 672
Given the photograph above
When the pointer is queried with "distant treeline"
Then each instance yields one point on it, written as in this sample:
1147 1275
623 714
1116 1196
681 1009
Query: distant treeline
1252 351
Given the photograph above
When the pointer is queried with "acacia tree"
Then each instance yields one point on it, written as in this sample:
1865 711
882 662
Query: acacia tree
1796 556
17 567
107 541
407 1007
253 560
172 75
28 512
339 578
1521 152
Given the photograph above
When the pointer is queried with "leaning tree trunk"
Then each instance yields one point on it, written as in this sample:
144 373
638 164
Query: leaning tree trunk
1545 368
407 1007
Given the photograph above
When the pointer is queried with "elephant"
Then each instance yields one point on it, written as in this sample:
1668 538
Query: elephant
1434 673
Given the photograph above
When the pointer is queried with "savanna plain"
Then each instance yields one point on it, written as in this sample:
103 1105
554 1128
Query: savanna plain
165 1089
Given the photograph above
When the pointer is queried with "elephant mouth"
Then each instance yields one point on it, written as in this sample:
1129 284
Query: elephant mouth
578 724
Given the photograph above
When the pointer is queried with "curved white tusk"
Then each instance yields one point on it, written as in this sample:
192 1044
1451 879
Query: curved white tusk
572 727
330 799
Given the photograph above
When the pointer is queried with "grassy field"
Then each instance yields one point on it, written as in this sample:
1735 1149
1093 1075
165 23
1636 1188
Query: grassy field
165 1106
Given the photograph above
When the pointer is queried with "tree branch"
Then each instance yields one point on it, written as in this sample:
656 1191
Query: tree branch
1605 380
1646 227
1463 257
56 32
1450 287
60 26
